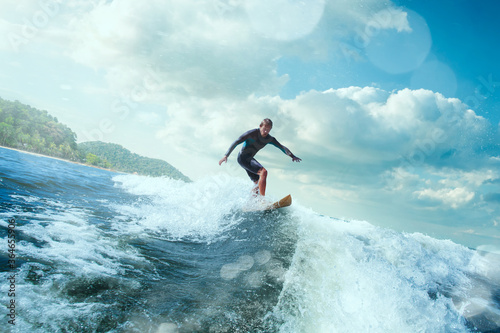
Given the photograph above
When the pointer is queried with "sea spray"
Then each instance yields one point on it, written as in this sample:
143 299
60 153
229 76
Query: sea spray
355 277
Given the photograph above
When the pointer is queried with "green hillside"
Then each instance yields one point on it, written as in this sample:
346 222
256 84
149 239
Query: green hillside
26 128
111 155
29 129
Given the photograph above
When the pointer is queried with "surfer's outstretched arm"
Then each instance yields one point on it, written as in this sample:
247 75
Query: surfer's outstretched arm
284 149
224 159
294 158
238 141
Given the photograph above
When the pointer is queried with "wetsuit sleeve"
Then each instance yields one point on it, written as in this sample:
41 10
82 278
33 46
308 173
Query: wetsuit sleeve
238 141
284 149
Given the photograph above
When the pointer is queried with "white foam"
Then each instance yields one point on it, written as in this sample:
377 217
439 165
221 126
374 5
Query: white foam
355 277
71 241
61 244
173 209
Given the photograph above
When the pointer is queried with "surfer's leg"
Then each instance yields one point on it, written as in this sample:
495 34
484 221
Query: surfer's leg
253 169
262 181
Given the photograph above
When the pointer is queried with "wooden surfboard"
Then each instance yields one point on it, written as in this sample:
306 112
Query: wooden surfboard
285 202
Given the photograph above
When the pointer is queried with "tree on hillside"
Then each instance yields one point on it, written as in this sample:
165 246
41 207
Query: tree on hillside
121 159
27 128
6 134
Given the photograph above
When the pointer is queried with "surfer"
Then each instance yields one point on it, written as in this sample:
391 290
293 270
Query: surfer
253 141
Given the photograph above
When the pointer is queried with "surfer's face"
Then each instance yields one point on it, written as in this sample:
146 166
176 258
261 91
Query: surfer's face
264 130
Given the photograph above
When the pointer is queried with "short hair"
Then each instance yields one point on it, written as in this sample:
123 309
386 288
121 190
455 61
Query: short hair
265 122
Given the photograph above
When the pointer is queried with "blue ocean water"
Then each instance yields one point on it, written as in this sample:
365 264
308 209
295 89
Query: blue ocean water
98 251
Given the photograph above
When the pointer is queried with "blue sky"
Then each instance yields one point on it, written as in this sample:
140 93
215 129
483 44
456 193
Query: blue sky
393 106
463 39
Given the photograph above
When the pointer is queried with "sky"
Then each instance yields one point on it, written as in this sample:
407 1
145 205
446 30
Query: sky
393 107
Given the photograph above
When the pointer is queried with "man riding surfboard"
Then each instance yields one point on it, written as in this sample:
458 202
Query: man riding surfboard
253 141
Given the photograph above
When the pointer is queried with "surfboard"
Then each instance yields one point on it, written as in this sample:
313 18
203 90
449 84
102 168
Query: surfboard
285 202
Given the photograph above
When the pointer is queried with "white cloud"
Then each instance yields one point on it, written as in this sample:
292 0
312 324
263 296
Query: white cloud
391 18
209 126
447 186
392 145
399 44
220 48
383 126
214 49
399 179
453 197
196 50
455 188
29 23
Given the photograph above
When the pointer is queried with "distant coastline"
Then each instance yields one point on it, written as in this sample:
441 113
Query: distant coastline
62 159
28 130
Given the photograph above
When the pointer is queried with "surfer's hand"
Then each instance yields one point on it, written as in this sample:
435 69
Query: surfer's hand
296 159
224 159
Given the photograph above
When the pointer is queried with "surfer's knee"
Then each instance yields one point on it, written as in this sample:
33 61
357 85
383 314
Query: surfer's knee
263 172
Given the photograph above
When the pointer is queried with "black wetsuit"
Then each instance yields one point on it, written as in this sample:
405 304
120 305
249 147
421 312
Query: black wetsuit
253 141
